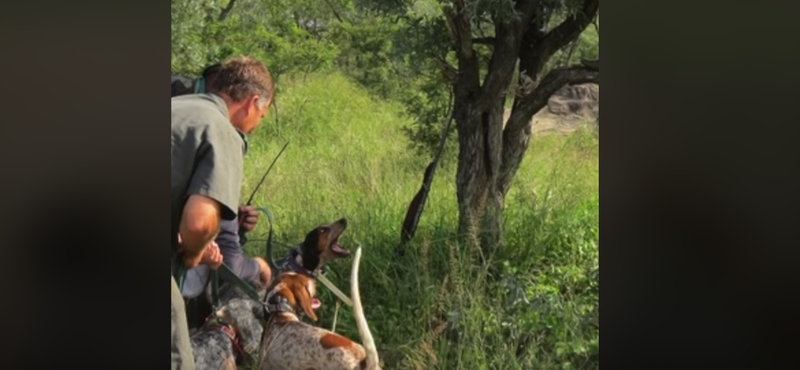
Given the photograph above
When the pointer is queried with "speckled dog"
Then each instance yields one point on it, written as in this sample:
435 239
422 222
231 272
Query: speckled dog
232 333
290 344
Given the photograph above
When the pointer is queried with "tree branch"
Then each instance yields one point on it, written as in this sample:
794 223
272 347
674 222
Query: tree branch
468 75
226 11
508 36
591 64
460 29
550 84
536 50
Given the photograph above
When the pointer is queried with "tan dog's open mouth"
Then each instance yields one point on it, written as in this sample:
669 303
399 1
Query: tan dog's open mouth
337 228
336 248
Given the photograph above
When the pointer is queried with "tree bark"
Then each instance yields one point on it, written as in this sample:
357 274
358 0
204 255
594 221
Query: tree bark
480 140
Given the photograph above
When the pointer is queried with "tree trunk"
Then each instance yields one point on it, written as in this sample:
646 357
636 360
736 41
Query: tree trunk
480 200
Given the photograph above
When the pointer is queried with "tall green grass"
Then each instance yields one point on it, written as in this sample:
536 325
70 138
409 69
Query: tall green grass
435 307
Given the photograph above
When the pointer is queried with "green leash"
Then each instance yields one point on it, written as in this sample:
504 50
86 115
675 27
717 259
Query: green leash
270 236
215 288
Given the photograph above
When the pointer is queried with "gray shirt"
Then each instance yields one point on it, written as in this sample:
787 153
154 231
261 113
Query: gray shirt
207 155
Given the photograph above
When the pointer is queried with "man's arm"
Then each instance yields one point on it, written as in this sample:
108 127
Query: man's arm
199 225
213 192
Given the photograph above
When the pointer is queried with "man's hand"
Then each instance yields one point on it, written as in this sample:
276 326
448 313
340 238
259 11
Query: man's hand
248 218
212 256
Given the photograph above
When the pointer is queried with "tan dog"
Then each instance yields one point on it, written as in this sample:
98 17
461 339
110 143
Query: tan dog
289 344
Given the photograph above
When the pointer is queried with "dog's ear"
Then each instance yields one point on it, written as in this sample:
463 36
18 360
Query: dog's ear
311 250
302 296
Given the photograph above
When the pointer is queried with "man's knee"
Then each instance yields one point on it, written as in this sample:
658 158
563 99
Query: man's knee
265 273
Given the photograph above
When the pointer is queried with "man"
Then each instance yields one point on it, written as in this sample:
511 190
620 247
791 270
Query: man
254 270
208 145
232 233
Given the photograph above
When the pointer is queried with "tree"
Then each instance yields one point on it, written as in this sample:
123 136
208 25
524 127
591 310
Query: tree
490 151
491 42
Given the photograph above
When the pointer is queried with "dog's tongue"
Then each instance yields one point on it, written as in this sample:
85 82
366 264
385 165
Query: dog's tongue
315 304
338 249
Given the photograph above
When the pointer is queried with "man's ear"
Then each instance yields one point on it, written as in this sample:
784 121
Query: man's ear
303 299
253 103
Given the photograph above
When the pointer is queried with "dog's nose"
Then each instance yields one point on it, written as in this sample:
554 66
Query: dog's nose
343 221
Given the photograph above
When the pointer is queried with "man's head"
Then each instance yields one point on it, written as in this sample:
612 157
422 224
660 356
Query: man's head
247 87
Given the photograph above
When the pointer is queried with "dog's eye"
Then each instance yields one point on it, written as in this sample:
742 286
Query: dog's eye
322 231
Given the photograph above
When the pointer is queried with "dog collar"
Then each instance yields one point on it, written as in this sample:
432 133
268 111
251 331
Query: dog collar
216 323
296 267
278 304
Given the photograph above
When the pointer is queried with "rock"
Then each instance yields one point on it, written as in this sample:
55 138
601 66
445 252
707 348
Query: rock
578 100
587 92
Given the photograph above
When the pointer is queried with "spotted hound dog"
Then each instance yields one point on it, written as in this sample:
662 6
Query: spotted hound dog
290 344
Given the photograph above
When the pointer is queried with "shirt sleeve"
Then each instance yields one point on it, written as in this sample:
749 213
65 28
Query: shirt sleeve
218 170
